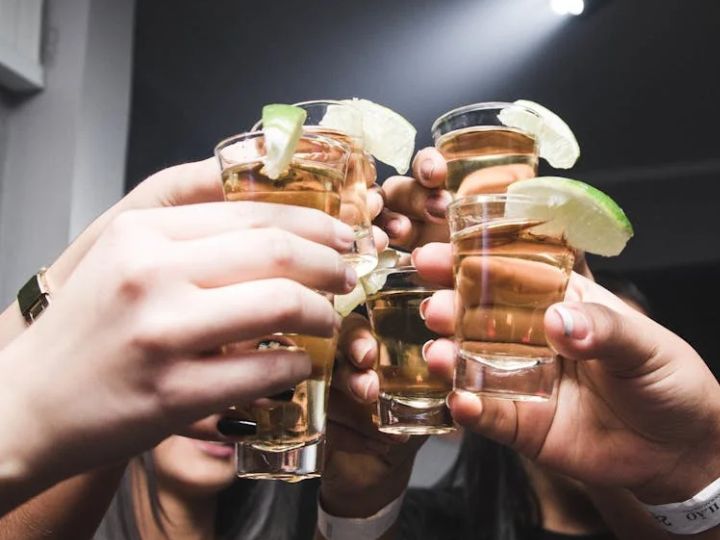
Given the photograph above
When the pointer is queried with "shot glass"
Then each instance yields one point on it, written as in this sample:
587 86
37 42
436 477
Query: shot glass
323 118
507 273
290 434
412 397
483 154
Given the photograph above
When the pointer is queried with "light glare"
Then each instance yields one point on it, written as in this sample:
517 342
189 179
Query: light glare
568 7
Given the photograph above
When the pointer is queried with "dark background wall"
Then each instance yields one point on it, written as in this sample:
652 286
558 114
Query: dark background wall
637 80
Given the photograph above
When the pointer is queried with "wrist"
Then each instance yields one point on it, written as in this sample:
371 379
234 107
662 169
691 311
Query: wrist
695 470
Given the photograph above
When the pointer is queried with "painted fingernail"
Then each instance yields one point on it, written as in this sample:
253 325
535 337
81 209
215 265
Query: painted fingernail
426 346
393 228
285 395
449 400
366 388
436 205
427 168
422 308
575 324
350 278
233 427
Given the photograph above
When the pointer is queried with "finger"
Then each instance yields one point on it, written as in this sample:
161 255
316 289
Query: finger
375 201
430 168
189 183
439 312
440 356
627 344
407 196
434 263
209 318
363 386
196 388
400 229
199 220
494 418
356 342
237 256
381 239
205 429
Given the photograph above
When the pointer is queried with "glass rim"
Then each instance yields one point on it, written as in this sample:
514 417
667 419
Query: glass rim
494 198
401 272
357 138
479 106
248 135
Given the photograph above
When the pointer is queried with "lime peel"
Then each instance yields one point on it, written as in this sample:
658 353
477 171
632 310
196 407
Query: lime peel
387 135
556 141
282 127
587 218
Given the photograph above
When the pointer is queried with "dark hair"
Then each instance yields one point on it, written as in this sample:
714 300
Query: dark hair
246 510
486 496
621 286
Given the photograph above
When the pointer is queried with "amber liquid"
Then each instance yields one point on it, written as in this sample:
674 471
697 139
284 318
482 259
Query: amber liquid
311 186
401 334
354 210
486 159
506 277
286 425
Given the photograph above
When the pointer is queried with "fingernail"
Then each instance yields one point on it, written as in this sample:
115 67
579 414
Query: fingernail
232 427
366 389
363 350
350 278
414 254
285 395
427 168
426 346
436 205
449 400
423 307
575 324
393 228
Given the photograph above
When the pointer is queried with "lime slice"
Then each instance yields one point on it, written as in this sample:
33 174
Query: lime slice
387 135
587 218
282 127
367 285
556 141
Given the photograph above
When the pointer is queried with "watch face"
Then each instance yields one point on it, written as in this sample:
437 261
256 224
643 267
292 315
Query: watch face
33 297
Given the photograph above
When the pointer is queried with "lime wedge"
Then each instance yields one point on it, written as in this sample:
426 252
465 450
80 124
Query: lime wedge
387 136
367 285
587 218
282 127
556 141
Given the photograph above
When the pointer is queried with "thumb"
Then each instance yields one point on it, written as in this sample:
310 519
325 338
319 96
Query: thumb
625 343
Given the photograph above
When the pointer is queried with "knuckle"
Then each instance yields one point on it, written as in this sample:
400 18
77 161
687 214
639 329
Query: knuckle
152 336
289 302
281 249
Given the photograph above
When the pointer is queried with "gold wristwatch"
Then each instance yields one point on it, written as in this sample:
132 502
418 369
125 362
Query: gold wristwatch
34 296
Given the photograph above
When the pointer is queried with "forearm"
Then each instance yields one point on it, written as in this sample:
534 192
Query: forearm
55 513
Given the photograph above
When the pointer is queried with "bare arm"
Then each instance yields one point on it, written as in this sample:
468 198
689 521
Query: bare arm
71 510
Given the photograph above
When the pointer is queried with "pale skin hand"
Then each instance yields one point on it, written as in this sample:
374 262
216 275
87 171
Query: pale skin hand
365 469
636 407
156 291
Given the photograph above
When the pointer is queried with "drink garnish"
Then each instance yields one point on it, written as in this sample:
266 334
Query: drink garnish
556 142
367 285
588 219
389 137
282 127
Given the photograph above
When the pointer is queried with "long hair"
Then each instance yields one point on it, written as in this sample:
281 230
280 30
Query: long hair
486 495
246 510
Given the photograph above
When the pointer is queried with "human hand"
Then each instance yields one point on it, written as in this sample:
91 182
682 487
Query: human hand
364 469
635 407
119 361
415 205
